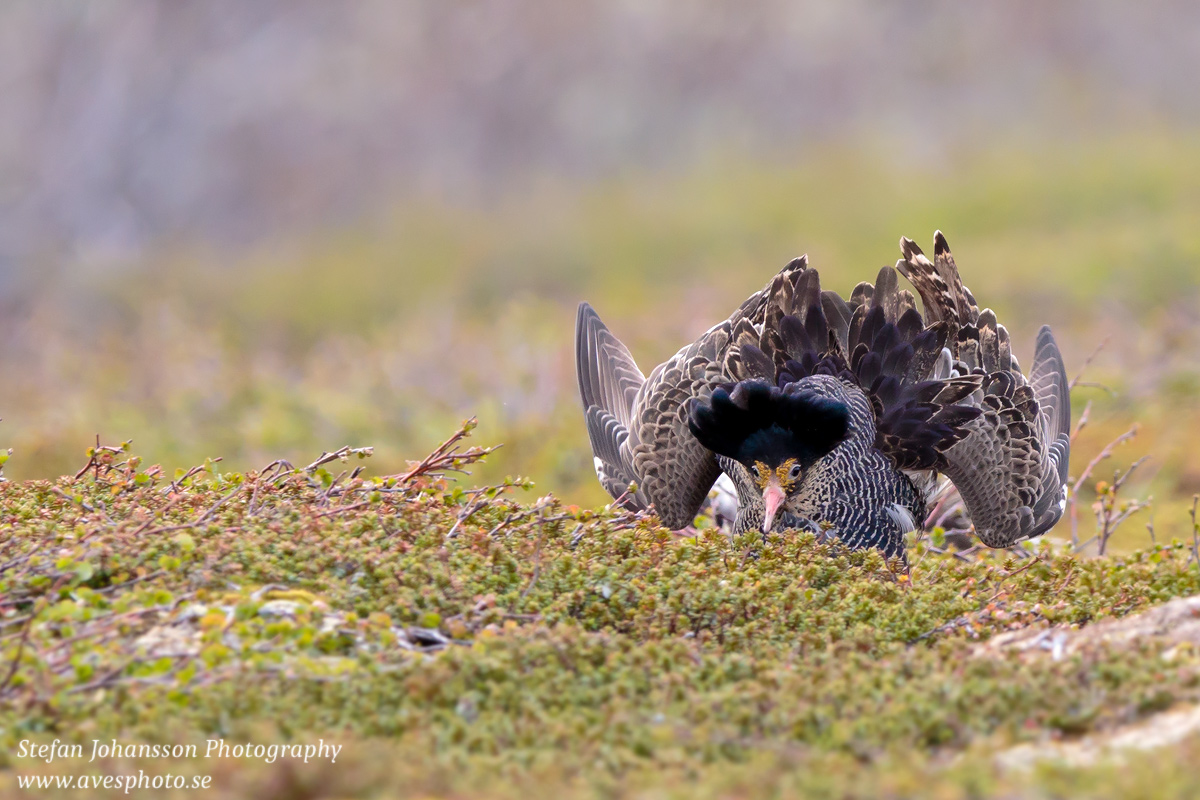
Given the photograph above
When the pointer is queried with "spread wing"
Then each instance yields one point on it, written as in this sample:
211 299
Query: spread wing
1011 467
609 381
638 427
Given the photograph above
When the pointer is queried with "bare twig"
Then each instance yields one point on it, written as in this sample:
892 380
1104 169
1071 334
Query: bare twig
577 535
83 504
479 499
341 454
1108 518
275 467
170 504
537 569
1195 530
616 503
1083 420
961 555
16 662
1087 361
1103 454
537 508
108 616
108 678
476 504
340 509
77 501
111 617
447 458
1035 560
1096 385
323 496
148 577
629 519
176 485
94 462
198 520
1087 471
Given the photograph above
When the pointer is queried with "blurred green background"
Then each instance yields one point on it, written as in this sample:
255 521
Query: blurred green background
266 230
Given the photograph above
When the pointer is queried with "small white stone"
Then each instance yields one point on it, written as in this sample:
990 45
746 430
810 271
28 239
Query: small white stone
279 608
194 611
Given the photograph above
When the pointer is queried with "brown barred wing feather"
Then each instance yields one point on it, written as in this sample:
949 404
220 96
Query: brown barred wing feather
609 382
674 471
1011 466
638 427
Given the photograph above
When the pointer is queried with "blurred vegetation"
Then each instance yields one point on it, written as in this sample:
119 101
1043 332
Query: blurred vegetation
386 336
479 643
197 253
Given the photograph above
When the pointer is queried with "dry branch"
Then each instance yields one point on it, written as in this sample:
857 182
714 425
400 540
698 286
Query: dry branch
1087 361
1106 452
341 454
447 458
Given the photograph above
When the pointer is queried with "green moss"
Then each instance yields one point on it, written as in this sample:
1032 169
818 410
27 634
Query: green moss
544 639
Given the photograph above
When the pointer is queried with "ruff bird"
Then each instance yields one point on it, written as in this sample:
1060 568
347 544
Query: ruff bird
838 415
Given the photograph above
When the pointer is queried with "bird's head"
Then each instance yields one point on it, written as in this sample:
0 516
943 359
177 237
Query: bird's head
776 435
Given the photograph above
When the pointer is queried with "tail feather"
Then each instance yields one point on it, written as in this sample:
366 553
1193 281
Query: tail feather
964 301
838 313
776 300
1006 357
879 342
887 294
862 294
939 285
989 342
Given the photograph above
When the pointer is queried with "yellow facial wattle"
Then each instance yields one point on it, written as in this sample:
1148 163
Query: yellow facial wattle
782 475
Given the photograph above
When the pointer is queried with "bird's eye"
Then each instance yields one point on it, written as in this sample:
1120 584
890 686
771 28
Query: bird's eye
754 470
794 472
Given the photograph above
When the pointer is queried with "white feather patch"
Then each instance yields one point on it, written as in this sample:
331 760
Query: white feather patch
724 497
926 482
901 516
